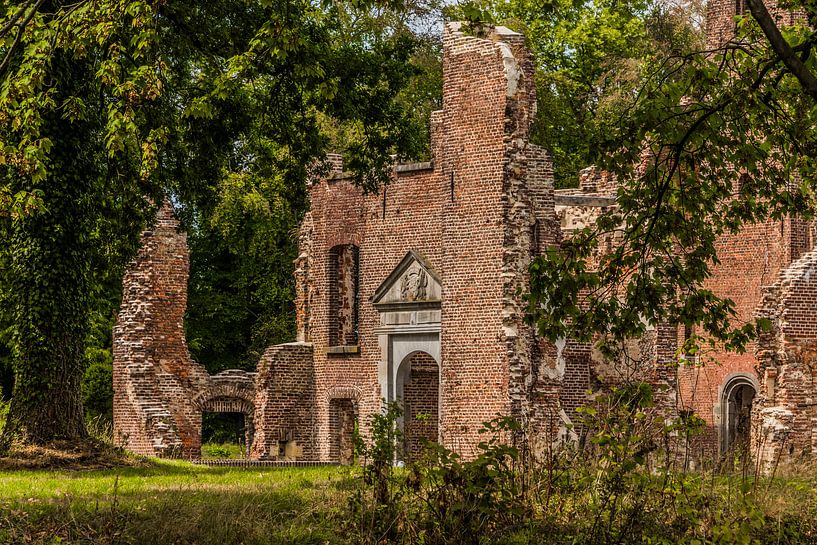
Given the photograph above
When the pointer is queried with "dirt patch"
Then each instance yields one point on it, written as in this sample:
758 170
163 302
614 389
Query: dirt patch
70 455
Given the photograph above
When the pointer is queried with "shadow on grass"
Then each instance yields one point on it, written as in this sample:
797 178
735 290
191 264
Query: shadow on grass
204 516
154 467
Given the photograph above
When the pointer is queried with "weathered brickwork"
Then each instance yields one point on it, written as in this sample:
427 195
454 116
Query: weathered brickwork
154 375
784 427
760 255
474 217
415 294
285 395
421 400
750 260
160 393
342 418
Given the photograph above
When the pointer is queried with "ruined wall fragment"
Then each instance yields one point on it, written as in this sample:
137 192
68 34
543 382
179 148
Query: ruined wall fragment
160 393
285 425
153 374
785 413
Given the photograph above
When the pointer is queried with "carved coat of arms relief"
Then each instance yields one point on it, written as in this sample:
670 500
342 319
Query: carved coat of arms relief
413 285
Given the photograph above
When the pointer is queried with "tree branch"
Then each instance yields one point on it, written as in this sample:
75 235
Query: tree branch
20 32
17 15
782 48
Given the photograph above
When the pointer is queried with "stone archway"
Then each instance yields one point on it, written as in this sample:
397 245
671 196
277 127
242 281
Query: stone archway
231 391
737 396
409 302
418 388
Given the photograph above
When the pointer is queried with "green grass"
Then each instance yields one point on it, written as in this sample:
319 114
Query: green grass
174 503
181 503
223 451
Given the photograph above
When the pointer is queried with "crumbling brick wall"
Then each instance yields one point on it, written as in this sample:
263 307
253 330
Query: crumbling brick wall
285 424
784 412
477 213
749 260
575 209
160 393
153 372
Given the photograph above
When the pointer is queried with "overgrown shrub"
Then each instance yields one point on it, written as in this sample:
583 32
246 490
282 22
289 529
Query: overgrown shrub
626 483
374 505
439 497
97 387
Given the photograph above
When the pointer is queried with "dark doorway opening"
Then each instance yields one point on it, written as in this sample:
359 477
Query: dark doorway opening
736 416
740 415
224 435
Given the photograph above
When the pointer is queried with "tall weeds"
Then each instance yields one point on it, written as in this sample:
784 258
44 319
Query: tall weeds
626 483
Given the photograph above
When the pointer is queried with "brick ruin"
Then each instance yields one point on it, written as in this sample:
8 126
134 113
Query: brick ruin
160 393
415 294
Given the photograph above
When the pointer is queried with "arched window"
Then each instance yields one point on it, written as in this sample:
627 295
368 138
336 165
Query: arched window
344 285
737 396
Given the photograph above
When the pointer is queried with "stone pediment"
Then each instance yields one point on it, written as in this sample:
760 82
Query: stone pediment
412 282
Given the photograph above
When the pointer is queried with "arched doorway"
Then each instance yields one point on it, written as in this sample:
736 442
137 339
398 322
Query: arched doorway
418 388
227 421
736 413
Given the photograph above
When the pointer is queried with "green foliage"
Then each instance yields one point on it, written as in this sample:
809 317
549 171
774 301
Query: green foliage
166 503
711 142
223 451
6 369
223 428
163 503
97 381
106 106
241 287
439 497
97 390
378 458
625 483
590 60
4 409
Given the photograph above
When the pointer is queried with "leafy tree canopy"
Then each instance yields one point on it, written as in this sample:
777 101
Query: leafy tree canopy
107 105
711 141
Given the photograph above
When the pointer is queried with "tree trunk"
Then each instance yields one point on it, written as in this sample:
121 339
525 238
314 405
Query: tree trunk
49 286
50 315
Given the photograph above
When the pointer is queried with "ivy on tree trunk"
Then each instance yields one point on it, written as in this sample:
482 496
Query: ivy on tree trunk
49 286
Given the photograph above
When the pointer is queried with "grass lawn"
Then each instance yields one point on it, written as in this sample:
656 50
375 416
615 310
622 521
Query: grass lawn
223 451
168 502
174 503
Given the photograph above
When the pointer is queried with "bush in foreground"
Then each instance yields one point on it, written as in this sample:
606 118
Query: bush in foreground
626 485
